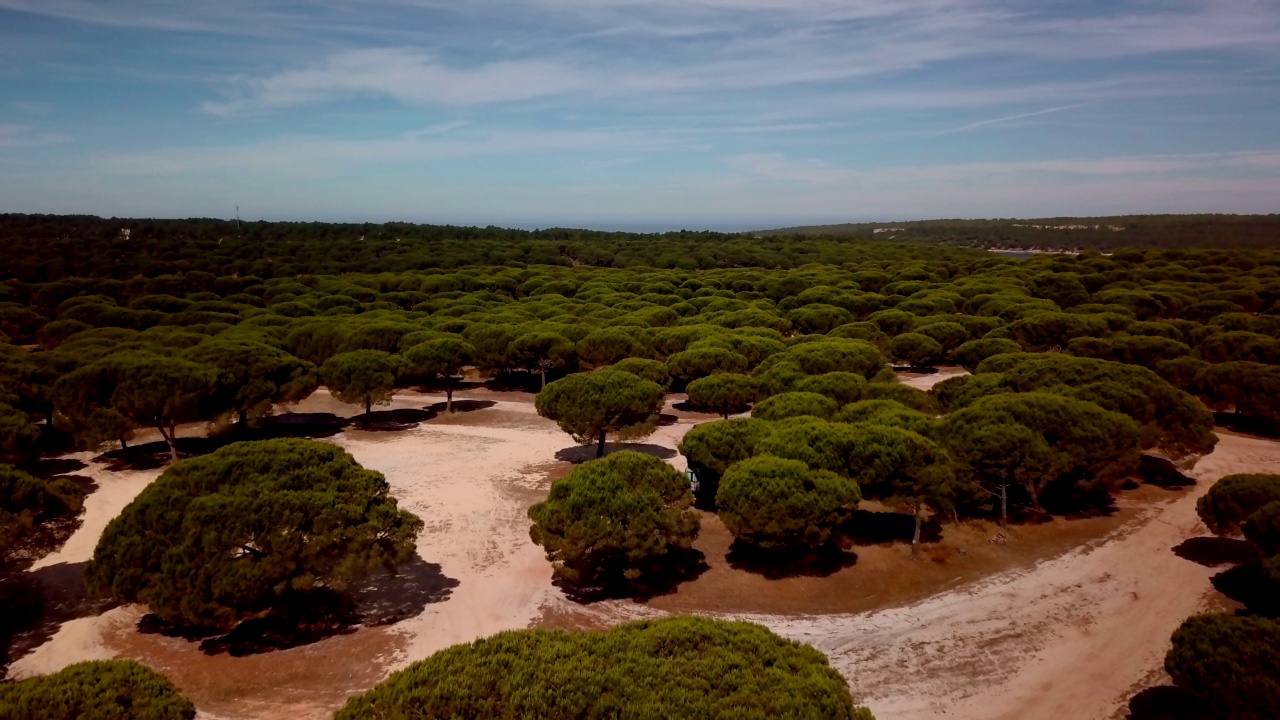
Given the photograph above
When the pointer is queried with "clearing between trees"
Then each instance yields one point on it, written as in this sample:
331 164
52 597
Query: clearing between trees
1053 631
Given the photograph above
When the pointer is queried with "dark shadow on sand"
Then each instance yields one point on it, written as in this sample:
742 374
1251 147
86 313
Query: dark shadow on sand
776 565
1246 425
1249 585
1165 702
46 599
1216 551
391 420
865 527
687 408
53 467
304 618
461 406
1162 473
152 455
581 453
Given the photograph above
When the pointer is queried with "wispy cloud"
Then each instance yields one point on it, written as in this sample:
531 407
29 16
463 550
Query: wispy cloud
1009 119
17 136
735 105
405 75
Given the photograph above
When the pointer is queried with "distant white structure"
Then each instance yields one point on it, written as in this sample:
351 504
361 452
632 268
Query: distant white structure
1112 228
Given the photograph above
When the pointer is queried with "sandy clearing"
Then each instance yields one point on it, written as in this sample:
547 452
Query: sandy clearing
471 476
473 494
1072 634
1071 637
115 491
924 381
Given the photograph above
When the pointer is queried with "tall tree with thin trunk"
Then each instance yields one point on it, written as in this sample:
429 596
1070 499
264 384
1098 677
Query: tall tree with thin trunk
1003 456
365 377
254 376
542 351
589 406
902 468
439 361
144 388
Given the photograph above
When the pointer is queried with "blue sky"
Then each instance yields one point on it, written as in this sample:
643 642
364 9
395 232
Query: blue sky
644 114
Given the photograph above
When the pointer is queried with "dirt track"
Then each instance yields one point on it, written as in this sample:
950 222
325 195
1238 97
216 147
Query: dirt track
1070 637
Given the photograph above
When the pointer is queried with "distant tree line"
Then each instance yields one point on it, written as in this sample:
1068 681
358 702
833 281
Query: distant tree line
1068 233
50 247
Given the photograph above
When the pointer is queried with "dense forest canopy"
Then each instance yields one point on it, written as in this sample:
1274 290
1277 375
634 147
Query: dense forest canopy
47 247
1078 364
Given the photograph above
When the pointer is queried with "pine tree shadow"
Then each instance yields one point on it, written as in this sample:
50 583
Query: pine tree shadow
39 602
303 618
461 406
1162 473
1249 585
865 527
392 420
823 561
1216 551
53 467
1165 702
684 407
577 454
1247 425
153 455
681 566
519 381
298 425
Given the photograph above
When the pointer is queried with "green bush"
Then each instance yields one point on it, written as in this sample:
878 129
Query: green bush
620 520
675 668
794 404
1231 500
220 538
1232 663
98 690
778 504
27 502
723 394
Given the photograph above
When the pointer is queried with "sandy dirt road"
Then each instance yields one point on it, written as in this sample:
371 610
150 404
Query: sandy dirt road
1072 636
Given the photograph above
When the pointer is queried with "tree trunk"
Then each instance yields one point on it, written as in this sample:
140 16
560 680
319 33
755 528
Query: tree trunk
544 378
448 400
915 539
1004 505
600 447
243 421
1035 499
171 440
368 404
124 444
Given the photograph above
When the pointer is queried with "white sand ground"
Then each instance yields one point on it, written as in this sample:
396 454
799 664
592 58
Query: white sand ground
1072 636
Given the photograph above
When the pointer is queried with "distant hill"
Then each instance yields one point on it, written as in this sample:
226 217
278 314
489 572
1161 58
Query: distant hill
1067 233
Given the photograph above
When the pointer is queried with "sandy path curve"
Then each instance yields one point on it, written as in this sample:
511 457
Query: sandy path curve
1070 637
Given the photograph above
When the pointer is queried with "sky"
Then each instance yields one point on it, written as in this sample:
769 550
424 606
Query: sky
639 114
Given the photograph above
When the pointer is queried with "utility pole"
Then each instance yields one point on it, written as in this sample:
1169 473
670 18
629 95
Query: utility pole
237 221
